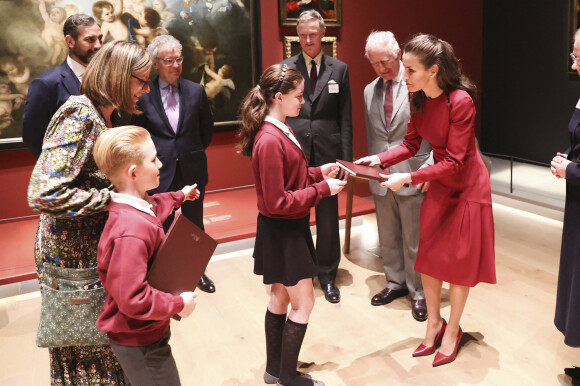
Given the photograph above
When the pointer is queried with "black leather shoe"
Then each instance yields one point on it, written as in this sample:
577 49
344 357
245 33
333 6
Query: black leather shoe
419 310
206 284
388 295
573 372
331 292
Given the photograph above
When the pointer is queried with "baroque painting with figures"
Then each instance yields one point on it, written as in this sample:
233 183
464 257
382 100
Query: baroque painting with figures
216 35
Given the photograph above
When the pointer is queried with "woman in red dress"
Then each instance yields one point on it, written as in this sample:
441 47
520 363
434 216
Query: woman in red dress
457 235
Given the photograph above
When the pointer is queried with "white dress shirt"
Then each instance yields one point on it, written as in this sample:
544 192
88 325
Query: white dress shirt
283 128
135 202
76 67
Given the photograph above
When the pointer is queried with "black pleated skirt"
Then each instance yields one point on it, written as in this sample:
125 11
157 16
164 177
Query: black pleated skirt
284 252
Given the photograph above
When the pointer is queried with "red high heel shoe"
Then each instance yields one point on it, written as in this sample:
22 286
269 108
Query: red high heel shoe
442 359
423 350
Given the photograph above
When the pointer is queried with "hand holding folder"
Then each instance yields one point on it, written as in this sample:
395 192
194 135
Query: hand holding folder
363 171
182 258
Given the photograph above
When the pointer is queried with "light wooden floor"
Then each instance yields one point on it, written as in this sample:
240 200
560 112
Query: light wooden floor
510 337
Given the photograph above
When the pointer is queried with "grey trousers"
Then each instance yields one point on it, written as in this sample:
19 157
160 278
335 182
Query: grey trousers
398 227
151 365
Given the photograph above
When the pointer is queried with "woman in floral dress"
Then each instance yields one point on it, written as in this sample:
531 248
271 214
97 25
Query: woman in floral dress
72 195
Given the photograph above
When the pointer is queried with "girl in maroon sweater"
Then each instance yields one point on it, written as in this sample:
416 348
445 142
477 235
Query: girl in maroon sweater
286 188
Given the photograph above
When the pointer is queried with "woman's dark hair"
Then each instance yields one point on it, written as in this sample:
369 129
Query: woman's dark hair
431 50
255 106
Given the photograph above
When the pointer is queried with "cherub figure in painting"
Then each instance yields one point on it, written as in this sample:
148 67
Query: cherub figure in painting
109 13
52 32
8 102
18 72
161 7
71 9
220 82
134 7
150 27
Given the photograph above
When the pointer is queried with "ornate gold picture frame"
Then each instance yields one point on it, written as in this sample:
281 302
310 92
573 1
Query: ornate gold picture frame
331 11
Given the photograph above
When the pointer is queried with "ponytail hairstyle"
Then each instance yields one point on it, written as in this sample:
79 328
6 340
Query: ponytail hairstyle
430 50
255 106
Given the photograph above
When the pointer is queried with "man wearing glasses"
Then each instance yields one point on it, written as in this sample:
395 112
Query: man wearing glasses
177 114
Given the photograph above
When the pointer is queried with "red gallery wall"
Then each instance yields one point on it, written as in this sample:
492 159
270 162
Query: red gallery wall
457 21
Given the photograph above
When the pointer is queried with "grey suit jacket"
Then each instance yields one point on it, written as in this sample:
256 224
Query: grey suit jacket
325 120
380 139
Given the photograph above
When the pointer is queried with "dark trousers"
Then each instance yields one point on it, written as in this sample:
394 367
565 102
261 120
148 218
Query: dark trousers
193 210
327 239
327 236
151 365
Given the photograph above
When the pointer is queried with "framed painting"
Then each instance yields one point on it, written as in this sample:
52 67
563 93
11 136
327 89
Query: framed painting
292 46
331 11
220 38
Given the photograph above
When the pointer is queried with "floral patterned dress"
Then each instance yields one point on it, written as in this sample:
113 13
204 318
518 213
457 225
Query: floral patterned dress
71 194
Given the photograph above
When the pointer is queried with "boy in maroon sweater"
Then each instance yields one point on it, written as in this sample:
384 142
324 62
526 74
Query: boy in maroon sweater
135 315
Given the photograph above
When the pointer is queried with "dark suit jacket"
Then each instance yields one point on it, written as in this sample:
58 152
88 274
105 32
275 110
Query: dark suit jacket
45 95
325 120
194 132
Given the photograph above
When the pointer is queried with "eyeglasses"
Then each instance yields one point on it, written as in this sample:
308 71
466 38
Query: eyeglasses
169 61
142 82
574 58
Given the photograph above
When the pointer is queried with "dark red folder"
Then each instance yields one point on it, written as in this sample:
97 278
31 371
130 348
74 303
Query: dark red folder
361 170
181 258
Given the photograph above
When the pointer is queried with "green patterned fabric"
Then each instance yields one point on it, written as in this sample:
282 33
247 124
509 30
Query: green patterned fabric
69 313
71 194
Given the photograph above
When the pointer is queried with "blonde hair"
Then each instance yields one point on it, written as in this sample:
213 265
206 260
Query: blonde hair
107 80
119 146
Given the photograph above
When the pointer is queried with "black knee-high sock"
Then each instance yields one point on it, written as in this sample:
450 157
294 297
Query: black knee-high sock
274 326
291 344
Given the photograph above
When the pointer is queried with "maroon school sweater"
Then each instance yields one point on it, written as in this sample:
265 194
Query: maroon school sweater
135 314
285 186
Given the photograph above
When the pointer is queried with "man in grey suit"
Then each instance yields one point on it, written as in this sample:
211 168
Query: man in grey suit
324 130
387 114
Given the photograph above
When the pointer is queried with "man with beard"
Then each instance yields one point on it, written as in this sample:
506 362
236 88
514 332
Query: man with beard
50 90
